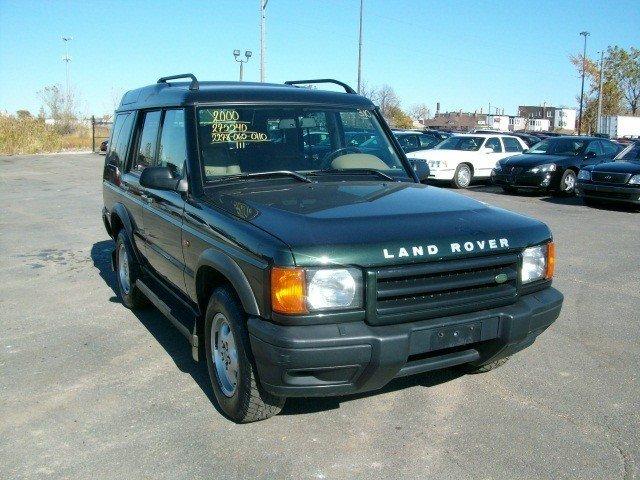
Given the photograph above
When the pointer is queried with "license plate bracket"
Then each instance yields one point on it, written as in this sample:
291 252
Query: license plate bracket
450 337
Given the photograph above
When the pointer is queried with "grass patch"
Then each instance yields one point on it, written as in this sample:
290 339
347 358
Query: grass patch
27 135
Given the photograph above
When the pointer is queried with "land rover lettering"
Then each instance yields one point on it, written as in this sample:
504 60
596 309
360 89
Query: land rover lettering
461 247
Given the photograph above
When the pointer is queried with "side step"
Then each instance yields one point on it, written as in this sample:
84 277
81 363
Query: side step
166 311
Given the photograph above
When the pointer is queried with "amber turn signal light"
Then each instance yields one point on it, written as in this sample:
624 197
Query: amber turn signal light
288 290
551 260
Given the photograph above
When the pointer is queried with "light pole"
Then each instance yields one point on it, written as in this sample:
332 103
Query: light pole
600 93
263 15
236 55
585 34
360 50
66 59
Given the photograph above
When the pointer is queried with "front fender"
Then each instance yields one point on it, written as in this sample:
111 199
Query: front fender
227 267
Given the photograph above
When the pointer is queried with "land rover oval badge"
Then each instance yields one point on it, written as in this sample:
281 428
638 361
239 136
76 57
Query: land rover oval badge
501 278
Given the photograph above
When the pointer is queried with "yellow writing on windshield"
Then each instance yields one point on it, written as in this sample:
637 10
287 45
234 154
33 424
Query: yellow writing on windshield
226 127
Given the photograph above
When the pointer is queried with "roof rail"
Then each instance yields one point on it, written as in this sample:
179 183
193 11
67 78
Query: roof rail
194 81
346 87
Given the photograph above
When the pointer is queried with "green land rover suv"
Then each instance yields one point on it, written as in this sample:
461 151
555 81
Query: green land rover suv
299 262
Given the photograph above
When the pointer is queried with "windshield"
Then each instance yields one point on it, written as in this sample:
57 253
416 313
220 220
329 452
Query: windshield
461 143
630 154
249 140
559 146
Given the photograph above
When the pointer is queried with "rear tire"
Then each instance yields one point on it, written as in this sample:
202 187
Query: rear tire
487 367
127 272
231 365
462 176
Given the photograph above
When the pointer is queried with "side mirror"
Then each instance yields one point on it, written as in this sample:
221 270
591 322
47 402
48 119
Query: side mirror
487 150
421 167
162 178
589 155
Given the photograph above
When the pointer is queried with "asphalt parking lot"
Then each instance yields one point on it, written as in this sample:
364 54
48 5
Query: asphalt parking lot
89 389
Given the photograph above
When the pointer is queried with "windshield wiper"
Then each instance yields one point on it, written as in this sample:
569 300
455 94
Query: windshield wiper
356 171
277 173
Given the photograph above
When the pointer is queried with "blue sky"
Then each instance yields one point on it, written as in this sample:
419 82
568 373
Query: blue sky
463 54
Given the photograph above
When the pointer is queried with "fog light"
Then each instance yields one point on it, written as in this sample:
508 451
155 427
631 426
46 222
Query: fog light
546 181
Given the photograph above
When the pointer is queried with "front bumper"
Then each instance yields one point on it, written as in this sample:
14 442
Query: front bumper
613 193
526 179
441 174
345 358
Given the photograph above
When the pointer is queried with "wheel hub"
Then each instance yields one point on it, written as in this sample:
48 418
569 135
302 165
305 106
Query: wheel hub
225 355
123 269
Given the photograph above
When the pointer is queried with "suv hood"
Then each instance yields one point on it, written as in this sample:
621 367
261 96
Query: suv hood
377 223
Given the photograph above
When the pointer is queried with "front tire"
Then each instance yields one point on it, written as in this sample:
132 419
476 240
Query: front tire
567 185
127 272
231 365
462 176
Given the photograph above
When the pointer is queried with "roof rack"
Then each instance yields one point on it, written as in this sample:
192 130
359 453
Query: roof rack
346 87
194 81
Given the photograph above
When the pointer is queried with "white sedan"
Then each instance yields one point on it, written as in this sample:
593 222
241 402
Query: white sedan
462 158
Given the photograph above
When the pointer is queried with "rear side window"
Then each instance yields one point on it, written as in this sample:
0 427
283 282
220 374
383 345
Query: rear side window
511 144
173 147
119 141
147 145
494 144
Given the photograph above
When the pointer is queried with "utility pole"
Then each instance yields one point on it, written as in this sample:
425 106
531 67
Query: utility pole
598 128
585 34
236 55
360 50
66 59
263 8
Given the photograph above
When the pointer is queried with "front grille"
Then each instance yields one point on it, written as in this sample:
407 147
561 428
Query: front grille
410 292
613 178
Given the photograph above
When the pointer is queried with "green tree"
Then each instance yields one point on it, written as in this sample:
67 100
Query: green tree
624 67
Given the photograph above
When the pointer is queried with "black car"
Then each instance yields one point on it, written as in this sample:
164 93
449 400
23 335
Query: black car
617 181
527 138
412 141
295 271
552 164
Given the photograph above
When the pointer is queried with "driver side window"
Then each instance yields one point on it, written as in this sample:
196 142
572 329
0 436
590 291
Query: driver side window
595 148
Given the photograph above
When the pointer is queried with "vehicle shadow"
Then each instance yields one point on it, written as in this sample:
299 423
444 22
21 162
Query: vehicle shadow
180 351
157 325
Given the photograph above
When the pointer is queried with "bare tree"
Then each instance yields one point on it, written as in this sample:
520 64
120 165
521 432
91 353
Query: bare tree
420 111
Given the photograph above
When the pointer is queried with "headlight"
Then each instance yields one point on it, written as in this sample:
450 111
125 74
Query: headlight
547 167
437 164
584 175
537 263
298 290
635 180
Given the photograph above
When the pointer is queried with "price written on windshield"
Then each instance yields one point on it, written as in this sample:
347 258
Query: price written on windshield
226 127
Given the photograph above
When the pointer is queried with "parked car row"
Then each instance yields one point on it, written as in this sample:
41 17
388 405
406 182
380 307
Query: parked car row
596 168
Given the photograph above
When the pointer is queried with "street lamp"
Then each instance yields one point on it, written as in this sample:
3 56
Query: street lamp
585 34
236 55
66 59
